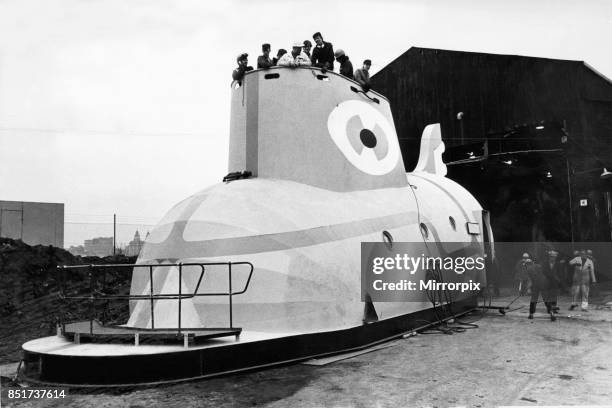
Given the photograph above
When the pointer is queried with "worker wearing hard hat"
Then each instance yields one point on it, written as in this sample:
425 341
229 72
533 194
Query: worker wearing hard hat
295 58
346 67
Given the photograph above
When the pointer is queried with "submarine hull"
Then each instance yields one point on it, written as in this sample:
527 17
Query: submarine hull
41 365
327 175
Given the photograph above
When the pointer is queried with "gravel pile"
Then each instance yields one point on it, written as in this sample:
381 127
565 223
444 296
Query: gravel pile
30 305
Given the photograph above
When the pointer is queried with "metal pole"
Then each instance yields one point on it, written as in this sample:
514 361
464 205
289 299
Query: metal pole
609 211
114 233
91 300
569 192
180 283
230 295
151 297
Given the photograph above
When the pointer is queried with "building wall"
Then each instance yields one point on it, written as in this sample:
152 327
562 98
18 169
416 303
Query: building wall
499 93
494 92
100 246
33 223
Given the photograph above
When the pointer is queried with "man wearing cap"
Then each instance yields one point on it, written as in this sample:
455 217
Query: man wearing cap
307 47
362 75
346 67
242 68
264 61
323 53
295 58
540 284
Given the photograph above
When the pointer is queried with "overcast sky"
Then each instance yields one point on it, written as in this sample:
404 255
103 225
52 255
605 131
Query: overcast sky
123 106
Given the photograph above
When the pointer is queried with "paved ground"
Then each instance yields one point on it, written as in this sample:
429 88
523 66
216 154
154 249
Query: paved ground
508 360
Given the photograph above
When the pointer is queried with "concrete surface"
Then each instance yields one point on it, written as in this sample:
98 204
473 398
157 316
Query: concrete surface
507 360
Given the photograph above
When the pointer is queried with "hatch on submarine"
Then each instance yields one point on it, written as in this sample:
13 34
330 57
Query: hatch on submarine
266 269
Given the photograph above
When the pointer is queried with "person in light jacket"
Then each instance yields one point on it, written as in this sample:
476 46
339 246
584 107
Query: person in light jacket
295 58
584 275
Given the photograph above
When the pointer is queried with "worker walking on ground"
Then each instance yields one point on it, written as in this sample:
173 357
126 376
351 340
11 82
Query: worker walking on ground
584 275
553 271
521 274
589 254
362 75
540 284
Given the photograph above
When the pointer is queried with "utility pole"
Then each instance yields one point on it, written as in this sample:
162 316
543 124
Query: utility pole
114 233
569 192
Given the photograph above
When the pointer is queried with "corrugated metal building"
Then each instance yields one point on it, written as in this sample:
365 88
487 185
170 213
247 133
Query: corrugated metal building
33 223
525 133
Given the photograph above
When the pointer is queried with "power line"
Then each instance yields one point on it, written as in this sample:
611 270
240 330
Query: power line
108 223
97 132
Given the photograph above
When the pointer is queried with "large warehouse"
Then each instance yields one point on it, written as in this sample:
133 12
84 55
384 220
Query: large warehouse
530 137
33 223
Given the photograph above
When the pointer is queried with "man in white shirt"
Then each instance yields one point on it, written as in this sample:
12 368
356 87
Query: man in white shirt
295 58
584 275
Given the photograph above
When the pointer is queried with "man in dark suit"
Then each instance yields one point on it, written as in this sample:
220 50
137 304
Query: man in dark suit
553 271
541 284
323 53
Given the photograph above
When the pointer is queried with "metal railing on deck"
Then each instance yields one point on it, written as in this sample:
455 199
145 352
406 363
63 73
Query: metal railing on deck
96 295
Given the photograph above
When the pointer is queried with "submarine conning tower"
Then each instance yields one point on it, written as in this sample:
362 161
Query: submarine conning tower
316 128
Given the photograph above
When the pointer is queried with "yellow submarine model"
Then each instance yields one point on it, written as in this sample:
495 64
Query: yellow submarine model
265 267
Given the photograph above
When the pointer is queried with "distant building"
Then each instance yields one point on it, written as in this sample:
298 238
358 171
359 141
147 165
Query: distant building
135 245
101 246
33 223
77 250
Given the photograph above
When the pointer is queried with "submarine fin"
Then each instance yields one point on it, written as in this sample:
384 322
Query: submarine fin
432 147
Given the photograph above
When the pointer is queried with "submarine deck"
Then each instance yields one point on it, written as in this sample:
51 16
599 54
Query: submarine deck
94 332
58 345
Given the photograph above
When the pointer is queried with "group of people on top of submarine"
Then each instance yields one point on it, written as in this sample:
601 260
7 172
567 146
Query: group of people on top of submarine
322 56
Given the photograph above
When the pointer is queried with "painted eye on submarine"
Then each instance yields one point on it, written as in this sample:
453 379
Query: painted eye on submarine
364 136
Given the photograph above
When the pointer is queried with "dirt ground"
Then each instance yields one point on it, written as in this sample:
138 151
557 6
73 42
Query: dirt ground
507 360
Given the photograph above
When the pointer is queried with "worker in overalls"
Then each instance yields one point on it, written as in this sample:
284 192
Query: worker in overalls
584 275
